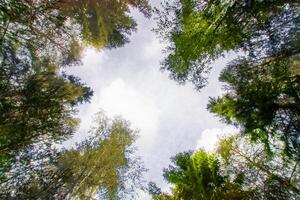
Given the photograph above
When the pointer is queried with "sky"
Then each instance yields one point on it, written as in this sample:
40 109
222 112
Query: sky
128 82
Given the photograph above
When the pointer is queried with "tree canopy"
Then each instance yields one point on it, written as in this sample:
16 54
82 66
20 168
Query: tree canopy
102 165
263 100
103 23
199 32
197 175
36 103
237 169
39 99
58 24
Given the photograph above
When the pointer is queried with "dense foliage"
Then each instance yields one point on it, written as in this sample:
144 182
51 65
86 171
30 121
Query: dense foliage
264 100
102 165
36 105
200 31
237 169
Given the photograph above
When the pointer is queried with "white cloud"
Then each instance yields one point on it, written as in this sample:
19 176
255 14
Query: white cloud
210 137
144 195
120 98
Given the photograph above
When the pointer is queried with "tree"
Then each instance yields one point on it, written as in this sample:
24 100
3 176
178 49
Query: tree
263 100
270 176
37 38
236 169
199 32
103 23
36 27
197 176
56 27
36 103
102 165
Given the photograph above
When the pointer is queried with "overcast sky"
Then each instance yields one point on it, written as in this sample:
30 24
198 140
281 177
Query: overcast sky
171 118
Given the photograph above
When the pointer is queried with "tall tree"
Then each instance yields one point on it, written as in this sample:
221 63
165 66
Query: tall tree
36 103
57 27
197 176
270 176
102 165
199 32
237 169
263 99
103 23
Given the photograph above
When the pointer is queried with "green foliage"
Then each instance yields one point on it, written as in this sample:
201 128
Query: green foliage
225 147
263 99
36 102
102 165
198 176
199 32
103 23
238 169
